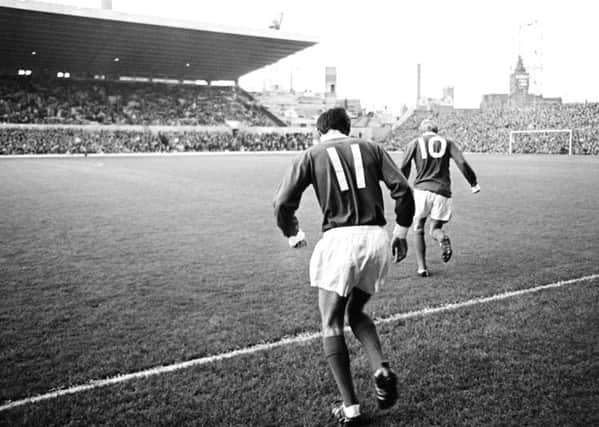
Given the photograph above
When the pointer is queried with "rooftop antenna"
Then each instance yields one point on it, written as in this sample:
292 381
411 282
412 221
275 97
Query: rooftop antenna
277 22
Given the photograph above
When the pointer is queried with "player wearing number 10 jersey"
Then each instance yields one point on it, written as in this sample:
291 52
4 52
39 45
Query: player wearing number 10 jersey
432 187
351 260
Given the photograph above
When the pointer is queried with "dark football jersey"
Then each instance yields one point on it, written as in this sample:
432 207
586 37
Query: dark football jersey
431 154
345 174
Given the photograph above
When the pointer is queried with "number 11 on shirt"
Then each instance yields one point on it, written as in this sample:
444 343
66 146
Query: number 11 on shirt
338 167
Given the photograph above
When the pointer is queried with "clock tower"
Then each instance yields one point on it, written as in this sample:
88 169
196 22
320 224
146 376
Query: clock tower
519 80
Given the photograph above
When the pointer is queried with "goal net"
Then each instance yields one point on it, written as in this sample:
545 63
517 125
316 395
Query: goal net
541 141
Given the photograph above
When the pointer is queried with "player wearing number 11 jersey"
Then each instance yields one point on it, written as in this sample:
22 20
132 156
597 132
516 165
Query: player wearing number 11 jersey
351 260
432 187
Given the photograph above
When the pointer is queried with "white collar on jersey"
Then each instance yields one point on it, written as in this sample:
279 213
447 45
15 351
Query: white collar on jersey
332 134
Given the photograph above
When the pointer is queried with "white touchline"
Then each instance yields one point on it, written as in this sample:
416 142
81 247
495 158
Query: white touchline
282 342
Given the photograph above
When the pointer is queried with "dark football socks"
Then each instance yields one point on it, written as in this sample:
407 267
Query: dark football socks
365 331
337 355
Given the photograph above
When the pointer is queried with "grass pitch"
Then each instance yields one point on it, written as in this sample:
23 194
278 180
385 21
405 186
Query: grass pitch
113 265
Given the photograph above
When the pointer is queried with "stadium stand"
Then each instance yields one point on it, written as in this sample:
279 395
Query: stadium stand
22 140
106 104
69 101
116 99
488 131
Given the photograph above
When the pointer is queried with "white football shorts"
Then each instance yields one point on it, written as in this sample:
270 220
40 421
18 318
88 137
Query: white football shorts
433 204
348 257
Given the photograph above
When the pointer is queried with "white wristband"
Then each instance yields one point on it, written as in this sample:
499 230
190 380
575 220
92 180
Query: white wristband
294 240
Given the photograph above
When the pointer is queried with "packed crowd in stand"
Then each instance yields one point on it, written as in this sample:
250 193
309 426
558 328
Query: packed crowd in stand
99 109
489 130
83 141
68 101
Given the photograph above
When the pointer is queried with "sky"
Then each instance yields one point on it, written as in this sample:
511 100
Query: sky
376 45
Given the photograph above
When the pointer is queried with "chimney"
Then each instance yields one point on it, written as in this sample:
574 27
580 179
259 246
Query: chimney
330 81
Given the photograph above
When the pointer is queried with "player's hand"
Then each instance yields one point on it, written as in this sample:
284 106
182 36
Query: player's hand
475 189
298 241
399 248
300 244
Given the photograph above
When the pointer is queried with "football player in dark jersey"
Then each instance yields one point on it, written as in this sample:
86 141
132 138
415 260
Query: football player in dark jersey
352 259
432 187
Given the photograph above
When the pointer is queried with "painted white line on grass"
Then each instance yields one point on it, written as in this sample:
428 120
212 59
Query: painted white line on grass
296 339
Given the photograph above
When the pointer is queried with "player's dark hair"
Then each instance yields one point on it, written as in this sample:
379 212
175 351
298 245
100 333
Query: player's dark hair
335 118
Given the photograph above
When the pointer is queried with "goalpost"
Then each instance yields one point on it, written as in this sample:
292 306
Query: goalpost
566 132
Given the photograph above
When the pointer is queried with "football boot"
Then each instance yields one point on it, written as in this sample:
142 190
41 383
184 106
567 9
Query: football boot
445 249
385 387
342 418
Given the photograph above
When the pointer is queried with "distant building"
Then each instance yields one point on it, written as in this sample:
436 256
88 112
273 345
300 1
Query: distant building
432 104
445 103
447 95
353 106
302 109
295 109
518 96
330 81
375 125
519 80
